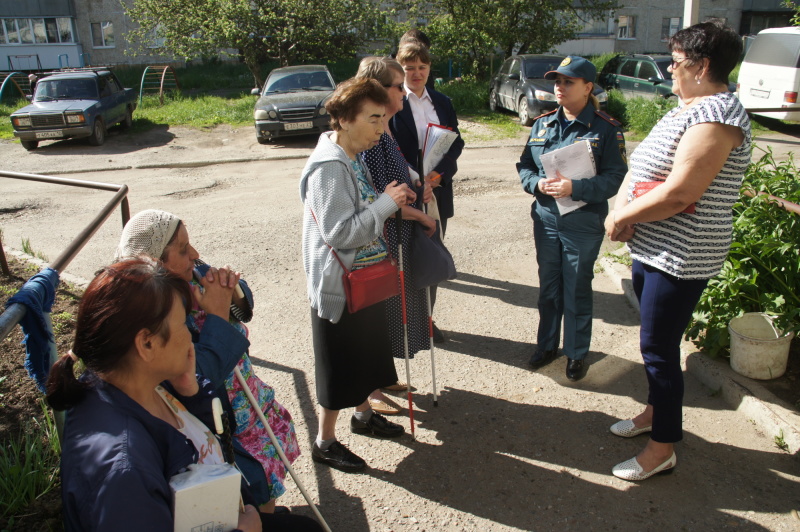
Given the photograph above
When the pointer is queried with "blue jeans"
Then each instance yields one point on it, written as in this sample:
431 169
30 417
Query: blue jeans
566 249
666 304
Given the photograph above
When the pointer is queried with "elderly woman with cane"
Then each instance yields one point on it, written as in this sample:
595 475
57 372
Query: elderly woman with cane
343 228
221 304
386 164
676 216
138 414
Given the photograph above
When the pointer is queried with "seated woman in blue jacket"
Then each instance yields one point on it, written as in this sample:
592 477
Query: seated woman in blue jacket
138 414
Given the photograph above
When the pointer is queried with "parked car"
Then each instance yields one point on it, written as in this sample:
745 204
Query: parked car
638 75
74 103
519 86
769 77
293 102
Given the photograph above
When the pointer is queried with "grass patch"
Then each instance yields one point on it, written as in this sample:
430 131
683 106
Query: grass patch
29 464
497 126
27 248
469 96
6 108
194 111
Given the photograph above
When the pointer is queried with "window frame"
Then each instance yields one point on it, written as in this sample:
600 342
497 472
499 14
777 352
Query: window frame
101 33
629 26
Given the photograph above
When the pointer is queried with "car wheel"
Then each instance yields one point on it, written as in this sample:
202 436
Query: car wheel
522 109
493 100
29 144
98 136
128 121
262 140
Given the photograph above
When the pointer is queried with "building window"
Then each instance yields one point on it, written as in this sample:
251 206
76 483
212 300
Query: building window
103 34
594 26
626 27
669 27
25 31
38 30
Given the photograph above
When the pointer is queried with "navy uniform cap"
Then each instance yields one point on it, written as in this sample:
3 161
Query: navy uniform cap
574 67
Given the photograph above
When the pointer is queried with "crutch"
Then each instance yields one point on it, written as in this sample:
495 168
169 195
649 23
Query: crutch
428 290
278 448
399 232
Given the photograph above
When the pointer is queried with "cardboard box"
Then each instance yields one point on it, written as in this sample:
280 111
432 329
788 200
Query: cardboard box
206 498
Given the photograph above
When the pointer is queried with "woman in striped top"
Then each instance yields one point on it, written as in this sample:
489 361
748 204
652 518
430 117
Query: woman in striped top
676 216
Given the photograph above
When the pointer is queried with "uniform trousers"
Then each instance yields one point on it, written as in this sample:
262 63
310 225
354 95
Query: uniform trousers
566 250
666 304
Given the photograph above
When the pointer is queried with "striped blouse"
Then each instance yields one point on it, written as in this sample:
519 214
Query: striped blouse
690 246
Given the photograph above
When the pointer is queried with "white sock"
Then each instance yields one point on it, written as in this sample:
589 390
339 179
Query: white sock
363 416
324 444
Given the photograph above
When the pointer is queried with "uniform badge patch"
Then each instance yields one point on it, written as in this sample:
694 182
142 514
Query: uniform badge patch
542 132
566 61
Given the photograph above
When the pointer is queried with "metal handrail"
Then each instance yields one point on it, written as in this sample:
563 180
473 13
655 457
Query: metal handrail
14 313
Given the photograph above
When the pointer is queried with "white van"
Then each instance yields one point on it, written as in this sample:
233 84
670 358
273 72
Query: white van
770 73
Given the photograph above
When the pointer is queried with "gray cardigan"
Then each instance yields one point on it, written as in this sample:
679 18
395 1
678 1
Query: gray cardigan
328 185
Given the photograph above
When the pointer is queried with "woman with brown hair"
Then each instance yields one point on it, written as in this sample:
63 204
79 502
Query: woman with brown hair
138 414
344 214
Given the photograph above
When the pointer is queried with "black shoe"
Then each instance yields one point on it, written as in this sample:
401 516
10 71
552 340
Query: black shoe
575 370
377 426
338 457
438 336
542 358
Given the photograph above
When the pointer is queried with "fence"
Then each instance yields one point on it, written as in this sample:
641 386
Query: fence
15 312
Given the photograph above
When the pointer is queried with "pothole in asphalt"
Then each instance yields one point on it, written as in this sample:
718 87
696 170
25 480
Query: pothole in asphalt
196 192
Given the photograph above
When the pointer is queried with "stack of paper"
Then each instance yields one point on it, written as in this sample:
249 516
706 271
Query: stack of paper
438 140
575 161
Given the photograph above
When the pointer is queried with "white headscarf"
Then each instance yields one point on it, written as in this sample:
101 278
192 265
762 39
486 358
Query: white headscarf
147 233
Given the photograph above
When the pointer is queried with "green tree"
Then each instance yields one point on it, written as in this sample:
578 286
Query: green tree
473 29
291 31
796 16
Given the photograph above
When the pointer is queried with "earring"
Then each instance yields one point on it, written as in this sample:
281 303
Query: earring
698 81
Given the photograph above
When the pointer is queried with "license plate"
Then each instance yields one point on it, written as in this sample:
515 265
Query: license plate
298 125
49 134
759 93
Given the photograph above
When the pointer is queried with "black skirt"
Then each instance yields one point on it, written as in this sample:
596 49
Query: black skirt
353 357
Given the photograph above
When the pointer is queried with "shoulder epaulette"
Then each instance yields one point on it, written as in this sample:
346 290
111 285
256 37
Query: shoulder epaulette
545 114
608 118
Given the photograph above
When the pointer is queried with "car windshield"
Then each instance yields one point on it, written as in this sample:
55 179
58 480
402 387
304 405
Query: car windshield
299 81
662 66
65 89
537 69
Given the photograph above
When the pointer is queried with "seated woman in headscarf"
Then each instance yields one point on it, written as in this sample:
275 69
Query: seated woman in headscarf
220 339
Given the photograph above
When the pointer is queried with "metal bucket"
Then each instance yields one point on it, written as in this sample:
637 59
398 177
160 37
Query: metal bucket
758 349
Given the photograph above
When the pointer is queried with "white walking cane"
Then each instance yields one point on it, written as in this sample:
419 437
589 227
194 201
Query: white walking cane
278 448
428 290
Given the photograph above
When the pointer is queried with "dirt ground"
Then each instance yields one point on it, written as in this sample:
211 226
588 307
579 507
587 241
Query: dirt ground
507 448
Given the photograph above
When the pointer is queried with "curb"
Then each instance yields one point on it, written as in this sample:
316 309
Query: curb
770 414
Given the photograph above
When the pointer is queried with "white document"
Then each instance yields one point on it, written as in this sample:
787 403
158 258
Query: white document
575 161
438 140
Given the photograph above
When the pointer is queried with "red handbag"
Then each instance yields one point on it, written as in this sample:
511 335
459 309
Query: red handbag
642 188
369 285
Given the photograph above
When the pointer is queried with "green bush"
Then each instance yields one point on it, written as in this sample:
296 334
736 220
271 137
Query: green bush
762 272
469 96
617 107
641 114
599 61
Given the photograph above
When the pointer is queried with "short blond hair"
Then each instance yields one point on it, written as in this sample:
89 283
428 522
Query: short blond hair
379 68
413 51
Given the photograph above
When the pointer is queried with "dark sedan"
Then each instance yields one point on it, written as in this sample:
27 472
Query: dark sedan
520 86
293 102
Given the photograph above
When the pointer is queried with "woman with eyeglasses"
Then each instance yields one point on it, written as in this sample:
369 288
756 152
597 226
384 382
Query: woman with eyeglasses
386 164
676 215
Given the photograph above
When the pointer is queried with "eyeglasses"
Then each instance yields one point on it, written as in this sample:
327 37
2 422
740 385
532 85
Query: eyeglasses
676 62
400 86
